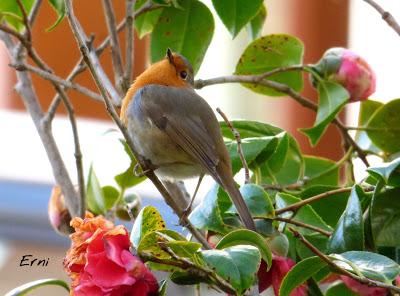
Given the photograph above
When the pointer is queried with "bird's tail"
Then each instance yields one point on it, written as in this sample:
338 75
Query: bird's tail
230 187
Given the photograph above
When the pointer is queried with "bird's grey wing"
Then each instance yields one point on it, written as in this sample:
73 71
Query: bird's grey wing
176 111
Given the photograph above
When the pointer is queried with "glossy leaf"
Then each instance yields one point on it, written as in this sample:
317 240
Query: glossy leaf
144 24
332 98
386 121
28 287
235 14
388 172
94 194
128 178
349 232
329 209
255 151
148 220
247 237
318 240
111 196
385 218
249 129
238 264
255 26
300 273
59 7
162 290
207 215
339 288
12 14
257 201
268 53
320 171
371 265
367 109
187 30
305 214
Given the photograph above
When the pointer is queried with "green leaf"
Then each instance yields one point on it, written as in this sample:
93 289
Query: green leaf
12 14
59 7
349 232
235 14
162 288
208 215
247 237
94 194
188 31
388 172
255 26
332 98
329 209
238 264
320 171
305 214
318 240
128 178
185 278
386 122
367 109
385 218
148 220
28 287
249 129
341 289
371 265
268 53
111 196
255 151
145 22
300 273
257 200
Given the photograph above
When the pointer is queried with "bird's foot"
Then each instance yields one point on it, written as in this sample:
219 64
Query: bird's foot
185 214
149 168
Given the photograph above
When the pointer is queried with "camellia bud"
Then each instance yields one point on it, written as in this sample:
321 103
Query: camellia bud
348 69
58 213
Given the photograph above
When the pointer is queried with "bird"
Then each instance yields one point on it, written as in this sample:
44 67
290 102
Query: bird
176 130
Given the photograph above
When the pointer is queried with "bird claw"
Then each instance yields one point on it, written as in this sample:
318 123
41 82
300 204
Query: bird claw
150 168
185 214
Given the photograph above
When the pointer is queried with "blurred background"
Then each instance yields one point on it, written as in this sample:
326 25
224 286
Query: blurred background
25 175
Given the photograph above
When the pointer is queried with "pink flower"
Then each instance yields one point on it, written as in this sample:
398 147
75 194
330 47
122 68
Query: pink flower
347 68
99 261
59 216
360 289
280 267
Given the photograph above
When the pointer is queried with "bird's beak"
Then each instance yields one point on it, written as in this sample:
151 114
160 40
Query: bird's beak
170 57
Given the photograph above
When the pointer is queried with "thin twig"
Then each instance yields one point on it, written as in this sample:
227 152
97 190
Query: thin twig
114 43
96 70
339 269
239 145
255 79
28 34
56 79
386 16
373 129
130 41
301 224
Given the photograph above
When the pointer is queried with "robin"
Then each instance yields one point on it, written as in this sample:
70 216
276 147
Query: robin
176 130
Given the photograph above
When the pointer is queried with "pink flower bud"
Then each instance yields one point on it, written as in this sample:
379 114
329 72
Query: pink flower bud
345 67
58 213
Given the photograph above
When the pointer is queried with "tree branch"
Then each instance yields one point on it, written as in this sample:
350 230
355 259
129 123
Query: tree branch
339 269
115 49
301 224
239 146
130 41
386 16
94 66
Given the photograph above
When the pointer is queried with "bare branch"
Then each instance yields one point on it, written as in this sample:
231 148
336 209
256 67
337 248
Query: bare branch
115 49
93 64
386 16
130 41
56 79
28 33
239 146
339 269
301 224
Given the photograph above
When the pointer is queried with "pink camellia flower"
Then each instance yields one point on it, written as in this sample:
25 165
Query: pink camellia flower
280 267
347 68
100 264
361 289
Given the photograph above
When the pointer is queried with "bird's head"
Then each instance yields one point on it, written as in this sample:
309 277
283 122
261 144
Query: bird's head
174 70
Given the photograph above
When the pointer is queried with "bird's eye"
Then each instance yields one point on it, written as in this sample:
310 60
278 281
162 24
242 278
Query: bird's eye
183 74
